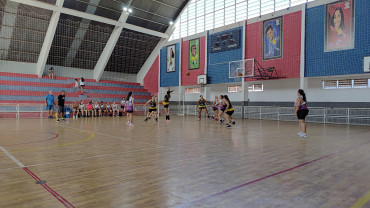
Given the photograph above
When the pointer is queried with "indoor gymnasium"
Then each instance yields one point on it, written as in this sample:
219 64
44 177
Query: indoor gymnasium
184 103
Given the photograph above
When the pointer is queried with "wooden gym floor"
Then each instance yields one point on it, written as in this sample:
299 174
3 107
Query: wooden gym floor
99 162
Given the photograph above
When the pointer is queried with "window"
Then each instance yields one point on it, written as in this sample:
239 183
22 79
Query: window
192 90
346 83
361 83
234 88
255 88
201 15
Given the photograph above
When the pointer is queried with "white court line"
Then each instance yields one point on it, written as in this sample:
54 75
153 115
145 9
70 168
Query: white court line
84 158
12 157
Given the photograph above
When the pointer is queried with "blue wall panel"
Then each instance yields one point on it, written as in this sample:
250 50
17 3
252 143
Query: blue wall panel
320 63
169 79
218 63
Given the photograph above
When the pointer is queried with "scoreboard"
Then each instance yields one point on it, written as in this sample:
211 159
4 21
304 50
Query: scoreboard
225 41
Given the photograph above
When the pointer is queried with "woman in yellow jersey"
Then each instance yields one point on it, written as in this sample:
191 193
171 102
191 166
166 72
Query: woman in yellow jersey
228 111
202 105
152 108
166 104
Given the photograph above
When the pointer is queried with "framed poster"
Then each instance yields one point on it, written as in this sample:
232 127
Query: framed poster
171 58
224 41
272 41
194 52
339 26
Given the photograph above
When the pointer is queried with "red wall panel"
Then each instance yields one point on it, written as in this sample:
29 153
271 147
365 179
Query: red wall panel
289 65
192 79
151 78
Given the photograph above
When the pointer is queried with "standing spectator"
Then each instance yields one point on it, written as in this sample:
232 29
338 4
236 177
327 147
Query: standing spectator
82 85
50 103
76 85
61 99
51 73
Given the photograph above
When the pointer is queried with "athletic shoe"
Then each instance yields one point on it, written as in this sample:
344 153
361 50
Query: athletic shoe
228 125
58 120
198 119
216 119
168 121
131 125
146 119
232 122
221 121
299 133
63 119
303 135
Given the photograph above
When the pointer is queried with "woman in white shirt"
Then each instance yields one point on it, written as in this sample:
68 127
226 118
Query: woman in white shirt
82 85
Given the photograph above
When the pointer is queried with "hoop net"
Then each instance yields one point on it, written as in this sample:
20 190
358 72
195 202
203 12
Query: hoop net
241 68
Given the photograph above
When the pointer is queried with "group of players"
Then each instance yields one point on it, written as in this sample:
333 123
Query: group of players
222 107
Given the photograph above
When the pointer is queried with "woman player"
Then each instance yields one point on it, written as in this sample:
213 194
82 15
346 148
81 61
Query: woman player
82 108
97 109
222 108
215 106
301 111
115 109
129 108
75 109
89 109
108 109
202 104
152 109
102 108
123 105
228 111
166 104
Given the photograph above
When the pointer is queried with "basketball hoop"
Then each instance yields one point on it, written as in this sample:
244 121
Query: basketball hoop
202 80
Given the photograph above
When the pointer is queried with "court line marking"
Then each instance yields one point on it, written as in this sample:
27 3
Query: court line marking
55 136
362 201
59 145
266 177
84 158
34 176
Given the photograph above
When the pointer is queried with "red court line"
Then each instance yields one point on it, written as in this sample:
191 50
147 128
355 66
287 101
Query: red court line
49 189
268 176
55 136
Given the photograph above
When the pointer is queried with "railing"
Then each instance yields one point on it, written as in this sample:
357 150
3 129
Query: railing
352 116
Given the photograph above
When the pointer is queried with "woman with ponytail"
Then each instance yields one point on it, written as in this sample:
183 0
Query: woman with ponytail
301 111
130 106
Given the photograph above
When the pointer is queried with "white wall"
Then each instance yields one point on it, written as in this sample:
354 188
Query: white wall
315 93
17 67
283 90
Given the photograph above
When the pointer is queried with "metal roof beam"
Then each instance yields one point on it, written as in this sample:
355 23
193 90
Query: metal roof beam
92 17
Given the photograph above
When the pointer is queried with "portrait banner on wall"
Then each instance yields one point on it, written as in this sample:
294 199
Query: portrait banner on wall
171 58
272 44
194 52
339 26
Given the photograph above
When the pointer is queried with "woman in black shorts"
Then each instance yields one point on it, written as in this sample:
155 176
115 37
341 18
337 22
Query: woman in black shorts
166 104
228 111
301 111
